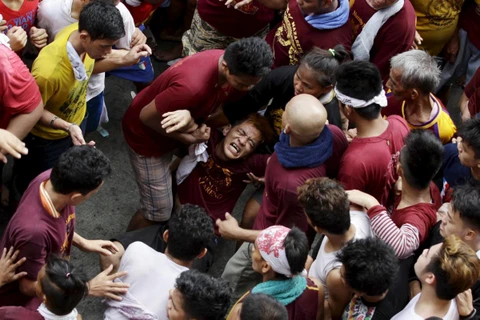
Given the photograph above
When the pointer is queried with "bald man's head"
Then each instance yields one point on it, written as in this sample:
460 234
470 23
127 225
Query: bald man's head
304 117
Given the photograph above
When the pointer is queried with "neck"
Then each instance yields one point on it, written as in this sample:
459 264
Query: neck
222 78
219 151
77 7
475 172
370 128
268 276
76 42
332 7
411 196
59 201
375 299
420 108
429 305
183 263
338 241
377 5
298 141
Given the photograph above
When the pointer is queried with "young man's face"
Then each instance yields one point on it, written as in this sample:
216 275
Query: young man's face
175 306
424 259
394 83
241 141
452 224
309 6
98 49
466 155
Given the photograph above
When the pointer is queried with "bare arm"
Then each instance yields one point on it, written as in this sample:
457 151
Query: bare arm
28 287
229 229
463 106
22 124
338 294
122 58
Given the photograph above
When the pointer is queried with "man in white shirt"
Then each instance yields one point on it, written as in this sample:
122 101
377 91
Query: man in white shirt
151 274
444 270
328 211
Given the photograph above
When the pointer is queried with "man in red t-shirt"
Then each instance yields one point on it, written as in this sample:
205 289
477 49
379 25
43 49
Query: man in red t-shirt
304 146
44 224
369 162
199 84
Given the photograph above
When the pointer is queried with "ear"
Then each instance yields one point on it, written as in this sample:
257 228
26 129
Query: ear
75 197
470 235
203 253
165 236
226 129
347 110
430 278
84 36
44 298
225 66
266 268
414 94
287 129
399 169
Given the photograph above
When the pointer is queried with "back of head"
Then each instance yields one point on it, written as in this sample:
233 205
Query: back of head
189 233
421 158
259 306
101 20
305 116
62 285
325 62
456 268
296 250
466 202
470 133
370 266
80 169
204 297
360 80
326 204
419 70
249 57
261 124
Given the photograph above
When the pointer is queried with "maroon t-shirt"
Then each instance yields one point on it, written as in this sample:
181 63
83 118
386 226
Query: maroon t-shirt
340 144
394 37
237 23
19 313
36 231
394 107
216 185
369 164
472 91
470 22
294 36
279 203
191 83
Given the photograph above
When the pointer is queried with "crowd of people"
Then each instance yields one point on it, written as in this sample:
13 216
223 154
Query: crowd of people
367 193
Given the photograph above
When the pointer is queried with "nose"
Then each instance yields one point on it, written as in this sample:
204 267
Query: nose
389 84
243 140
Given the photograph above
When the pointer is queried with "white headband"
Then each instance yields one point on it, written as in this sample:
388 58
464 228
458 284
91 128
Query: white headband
380 99
270 244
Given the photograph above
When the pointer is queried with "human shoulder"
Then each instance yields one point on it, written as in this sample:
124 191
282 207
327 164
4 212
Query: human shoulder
361 221
396 121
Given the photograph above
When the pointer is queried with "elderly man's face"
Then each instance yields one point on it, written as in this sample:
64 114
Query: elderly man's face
394 83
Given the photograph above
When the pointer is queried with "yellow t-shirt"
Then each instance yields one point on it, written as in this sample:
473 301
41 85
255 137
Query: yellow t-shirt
436 22
62 94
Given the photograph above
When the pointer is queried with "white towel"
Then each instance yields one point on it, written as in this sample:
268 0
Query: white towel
4 40
364 42
196 153
77 63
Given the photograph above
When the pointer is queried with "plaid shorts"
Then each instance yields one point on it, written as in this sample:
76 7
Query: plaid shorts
154 181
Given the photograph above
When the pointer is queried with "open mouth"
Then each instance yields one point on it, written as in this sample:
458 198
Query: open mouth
235 147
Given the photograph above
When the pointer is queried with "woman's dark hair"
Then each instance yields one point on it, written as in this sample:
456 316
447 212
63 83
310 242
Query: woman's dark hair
325 62
296 250
63 286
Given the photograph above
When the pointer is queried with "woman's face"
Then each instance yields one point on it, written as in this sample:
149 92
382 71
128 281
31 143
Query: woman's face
305 81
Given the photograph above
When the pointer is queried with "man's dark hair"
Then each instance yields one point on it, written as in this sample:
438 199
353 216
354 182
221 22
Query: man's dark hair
370 265
259 306
421 158
470 133
261 124
249 57
326 204
80 169
296 250
189 232
204 297
324 63
360 80
466 201
102 21
62 285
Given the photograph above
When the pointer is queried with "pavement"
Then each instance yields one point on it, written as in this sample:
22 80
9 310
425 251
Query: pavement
107 213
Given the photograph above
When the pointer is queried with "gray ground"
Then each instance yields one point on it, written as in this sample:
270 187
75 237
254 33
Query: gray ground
108 212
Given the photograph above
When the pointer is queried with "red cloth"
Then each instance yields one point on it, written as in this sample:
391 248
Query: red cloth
141 13
189 84
19 313
340 144
305 306
38 235
394 37
24 17
19 93
470 22
216 185
252 17
279 203
369 164
296 37
394 107
472 91
421 215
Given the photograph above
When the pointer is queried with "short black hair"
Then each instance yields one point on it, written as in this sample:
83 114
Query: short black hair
296 250
204 297
63 286
326 204
360 80
189 232
370 265
421 158
249 57
80 169
466 201
259 306
101 20
324 63
470 133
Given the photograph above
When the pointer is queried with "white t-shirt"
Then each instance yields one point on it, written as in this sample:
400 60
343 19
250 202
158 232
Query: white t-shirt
409 312
151 275
326 262
54 15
